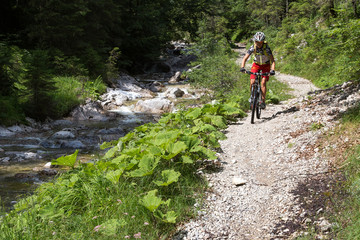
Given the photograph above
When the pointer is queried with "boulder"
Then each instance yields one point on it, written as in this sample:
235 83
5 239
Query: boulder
156 106
128 83
90 111
6 132
63 135
75 144
176 78
156 86
175 92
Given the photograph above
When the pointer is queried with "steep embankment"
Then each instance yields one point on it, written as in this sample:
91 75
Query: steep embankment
276 160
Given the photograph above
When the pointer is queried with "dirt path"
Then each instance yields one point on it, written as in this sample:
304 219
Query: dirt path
274 159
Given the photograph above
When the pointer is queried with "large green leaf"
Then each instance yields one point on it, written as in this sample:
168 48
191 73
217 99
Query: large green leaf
186 159
105 145
174 149
207 152
111 226
212 140
111 152
210 109
151 201
190 141
169 217
166 136
230 109
166 119
68 160
113 176
146 165
169 177
73 179
207 128
219 135
193 113
156 151
218 121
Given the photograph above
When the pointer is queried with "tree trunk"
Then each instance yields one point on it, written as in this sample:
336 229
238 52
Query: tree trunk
356 13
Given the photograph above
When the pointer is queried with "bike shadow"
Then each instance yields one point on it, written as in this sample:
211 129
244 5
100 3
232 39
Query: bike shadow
275 115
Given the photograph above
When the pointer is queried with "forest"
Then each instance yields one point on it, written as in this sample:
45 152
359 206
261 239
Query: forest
54 54
43 42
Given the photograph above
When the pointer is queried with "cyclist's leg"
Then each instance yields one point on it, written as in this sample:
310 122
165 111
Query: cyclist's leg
264 79
254 68
252 81
263 89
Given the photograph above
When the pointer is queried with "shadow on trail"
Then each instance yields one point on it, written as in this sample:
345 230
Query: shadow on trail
289 110
312 197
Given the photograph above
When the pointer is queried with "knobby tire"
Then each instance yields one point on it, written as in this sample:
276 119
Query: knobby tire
258 111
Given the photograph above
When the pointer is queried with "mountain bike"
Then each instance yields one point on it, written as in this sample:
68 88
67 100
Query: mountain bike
256 95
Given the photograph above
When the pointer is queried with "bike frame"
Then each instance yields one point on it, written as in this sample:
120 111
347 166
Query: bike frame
256 95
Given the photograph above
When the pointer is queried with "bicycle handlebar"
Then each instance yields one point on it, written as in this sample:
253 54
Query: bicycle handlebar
257 73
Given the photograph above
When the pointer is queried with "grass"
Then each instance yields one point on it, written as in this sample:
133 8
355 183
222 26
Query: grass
343 201
347 197
142 186
277 91
72 91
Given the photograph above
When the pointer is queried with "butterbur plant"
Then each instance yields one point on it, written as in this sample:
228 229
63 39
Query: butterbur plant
152 203
149 173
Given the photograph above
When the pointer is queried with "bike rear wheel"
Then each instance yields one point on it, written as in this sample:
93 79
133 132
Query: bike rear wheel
258 111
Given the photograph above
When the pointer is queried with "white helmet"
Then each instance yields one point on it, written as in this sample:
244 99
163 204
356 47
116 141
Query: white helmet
259 37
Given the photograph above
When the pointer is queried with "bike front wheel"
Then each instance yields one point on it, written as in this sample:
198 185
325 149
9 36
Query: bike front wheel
254 106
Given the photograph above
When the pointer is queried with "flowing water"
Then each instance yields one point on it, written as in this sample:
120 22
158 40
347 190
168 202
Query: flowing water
24 155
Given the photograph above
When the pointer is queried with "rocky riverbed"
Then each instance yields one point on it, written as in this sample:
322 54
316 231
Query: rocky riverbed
25 150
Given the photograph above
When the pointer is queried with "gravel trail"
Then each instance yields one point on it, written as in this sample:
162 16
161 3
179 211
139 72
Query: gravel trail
255 193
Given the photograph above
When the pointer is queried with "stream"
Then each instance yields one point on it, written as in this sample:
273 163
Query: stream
24 156
27 150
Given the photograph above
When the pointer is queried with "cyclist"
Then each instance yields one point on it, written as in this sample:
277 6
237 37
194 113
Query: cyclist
263 60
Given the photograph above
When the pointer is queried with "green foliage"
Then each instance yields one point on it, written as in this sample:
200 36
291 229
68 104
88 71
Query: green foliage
350 203
316 126
72 91
147 177
66 95
169 177
10 111
352 115
37 85
68 65
307 46
277 91
93 89
217 72
12 68
68 160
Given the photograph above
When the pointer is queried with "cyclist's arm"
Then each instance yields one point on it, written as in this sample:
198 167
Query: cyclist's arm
272 60
247 55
